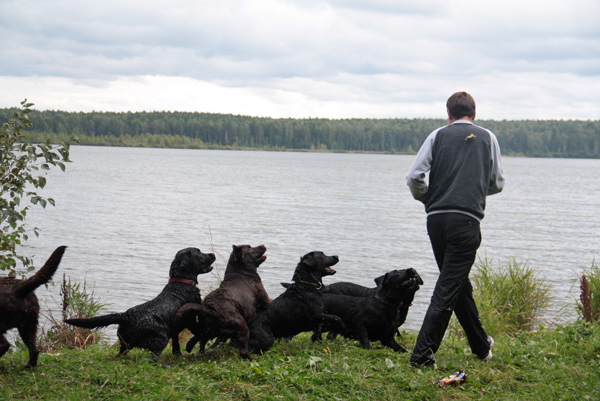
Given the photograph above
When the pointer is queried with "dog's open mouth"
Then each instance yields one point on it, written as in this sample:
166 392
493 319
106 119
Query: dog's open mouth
414 279
328 271
411 283
261 259
209 268
260 254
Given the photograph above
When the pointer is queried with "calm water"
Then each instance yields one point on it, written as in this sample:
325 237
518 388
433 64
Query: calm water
125 212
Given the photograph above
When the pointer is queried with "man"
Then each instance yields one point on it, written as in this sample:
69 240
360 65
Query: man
464 165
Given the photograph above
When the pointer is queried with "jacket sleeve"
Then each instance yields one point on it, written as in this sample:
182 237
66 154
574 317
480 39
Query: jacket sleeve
496 173
415 179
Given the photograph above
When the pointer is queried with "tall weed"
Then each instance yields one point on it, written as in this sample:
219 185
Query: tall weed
510 298
76 303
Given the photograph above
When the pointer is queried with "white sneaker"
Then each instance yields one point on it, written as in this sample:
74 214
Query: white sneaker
489 356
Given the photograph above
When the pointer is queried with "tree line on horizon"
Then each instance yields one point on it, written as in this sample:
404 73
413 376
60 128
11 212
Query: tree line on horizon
532 138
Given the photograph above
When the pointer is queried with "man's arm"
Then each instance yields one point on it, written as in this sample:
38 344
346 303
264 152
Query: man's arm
415 179
496 174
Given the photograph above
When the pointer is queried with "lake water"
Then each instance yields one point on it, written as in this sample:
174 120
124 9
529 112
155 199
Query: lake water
125 212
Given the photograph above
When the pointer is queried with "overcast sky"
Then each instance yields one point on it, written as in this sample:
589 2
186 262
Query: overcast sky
520 59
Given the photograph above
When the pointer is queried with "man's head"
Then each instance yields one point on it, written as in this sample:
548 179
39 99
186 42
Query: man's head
461 105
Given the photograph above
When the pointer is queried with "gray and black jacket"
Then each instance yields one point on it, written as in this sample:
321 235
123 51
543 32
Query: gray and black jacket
464 165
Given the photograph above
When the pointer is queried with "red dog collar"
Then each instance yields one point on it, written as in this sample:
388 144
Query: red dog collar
182 280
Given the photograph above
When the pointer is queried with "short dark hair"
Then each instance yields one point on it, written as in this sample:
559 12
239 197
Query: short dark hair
460 105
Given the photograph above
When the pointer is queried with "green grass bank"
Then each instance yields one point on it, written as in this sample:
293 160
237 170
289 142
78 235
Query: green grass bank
549 364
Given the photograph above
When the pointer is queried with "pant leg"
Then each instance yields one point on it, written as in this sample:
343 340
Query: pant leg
468 317
455 239
465 308
435 321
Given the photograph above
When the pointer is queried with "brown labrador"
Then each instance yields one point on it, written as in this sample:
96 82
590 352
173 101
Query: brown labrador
19 306
226 311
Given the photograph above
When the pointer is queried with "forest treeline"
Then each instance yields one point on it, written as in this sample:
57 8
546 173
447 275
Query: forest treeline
534 138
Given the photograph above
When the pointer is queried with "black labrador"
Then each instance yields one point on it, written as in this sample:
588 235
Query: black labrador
376 317
19 306
352 289
150 325
347 288
299 308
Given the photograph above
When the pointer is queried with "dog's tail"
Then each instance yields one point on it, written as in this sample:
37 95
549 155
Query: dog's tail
189 311
98 321
197 318
25 287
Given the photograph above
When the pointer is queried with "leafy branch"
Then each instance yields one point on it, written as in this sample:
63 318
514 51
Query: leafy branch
23 167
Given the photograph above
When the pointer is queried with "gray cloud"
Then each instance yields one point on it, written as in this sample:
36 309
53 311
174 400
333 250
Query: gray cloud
379 51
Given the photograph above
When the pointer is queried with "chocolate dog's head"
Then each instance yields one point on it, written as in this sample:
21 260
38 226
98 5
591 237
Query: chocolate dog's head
400 286
247 257
313 266
190 262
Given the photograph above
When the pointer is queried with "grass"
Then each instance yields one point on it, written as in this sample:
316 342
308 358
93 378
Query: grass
558 364
562 363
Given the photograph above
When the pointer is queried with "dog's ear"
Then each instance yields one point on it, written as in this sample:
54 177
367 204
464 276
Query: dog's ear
236 253
305 271
184 253
308 259
379 280
180 262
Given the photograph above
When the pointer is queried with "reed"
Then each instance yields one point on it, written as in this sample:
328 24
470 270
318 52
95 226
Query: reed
589 308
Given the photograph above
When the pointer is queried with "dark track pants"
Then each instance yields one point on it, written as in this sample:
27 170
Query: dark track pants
455 239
